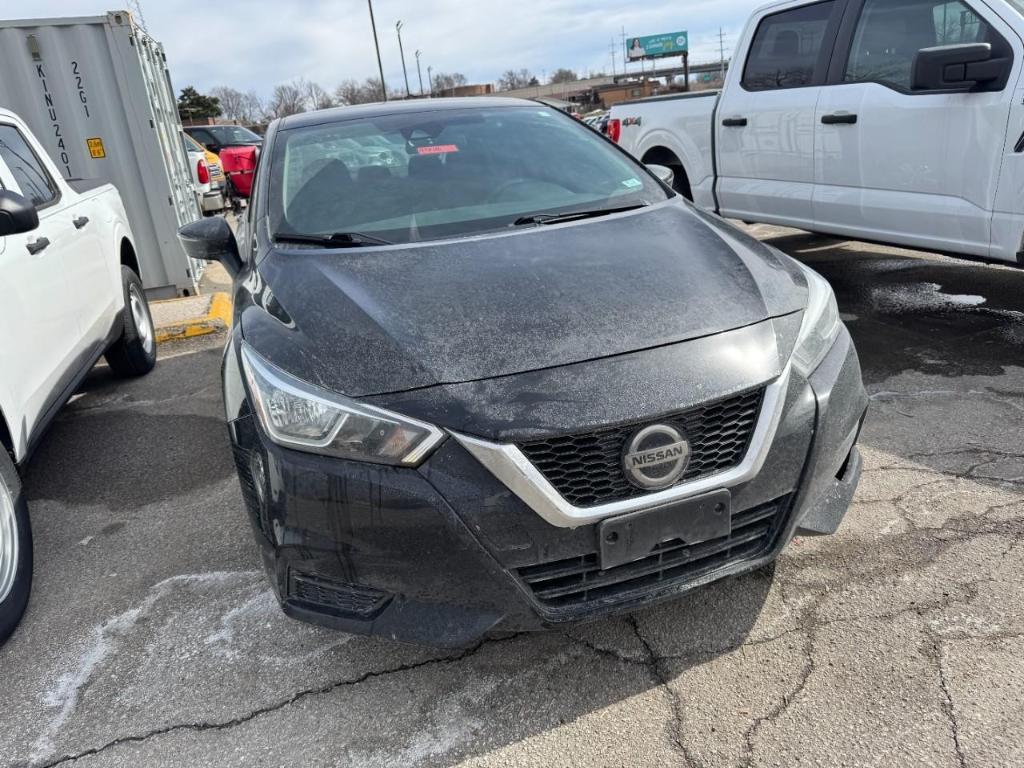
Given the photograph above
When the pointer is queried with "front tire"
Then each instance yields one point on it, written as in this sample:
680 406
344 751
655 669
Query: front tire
15 549
134 353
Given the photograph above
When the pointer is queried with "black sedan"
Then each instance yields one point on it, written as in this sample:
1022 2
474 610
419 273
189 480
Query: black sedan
510 379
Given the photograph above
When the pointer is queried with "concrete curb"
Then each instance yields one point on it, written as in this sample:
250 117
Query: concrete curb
216 319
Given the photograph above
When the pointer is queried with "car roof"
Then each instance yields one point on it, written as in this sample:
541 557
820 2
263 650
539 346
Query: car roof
339 114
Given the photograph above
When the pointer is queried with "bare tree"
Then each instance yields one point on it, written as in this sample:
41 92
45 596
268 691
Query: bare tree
353 92
254 110
563 75
232 102
446 81
317 97
513 79
288 99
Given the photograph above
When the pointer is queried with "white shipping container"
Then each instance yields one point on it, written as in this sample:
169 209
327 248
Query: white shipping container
97 93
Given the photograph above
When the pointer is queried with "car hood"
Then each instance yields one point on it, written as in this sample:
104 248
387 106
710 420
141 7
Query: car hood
370 322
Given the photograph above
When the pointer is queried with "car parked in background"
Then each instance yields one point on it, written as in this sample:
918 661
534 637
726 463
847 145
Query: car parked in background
209 198
218 137
71 293
217 177
896 121
238 150
515 381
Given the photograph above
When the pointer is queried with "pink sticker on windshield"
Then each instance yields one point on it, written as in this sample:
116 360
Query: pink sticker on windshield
437 149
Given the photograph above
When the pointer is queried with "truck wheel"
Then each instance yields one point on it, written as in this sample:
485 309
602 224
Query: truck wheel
15 549
134 353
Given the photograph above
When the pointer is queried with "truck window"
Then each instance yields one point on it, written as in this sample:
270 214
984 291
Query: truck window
889 35
27 169
785 49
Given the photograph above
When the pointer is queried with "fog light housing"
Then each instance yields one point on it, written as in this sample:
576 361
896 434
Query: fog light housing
335 597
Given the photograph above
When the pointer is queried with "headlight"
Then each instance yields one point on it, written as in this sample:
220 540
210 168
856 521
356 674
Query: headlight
305 417
820 326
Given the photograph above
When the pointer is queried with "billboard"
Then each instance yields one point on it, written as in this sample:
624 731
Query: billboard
656 46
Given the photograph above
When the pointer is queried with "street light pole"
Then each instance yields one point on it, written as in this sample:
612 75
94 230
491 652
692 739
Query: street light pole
398 29
430 80
380 66
419 72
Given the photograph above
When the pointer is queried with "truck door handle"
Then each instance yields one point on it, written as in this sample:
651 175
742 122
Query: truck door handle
839 118
734 122
80 222
40 244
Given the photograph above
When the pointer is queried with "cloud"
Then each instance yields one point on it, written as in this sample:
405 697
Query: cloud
255 44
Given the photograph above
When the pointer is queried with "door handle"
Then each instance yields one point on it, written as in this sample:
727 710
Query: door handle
734 122
839 118
80 222
40 244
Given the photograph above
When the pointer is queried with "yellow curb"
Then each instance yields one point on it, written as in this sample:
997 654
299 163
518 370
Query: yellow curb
217 318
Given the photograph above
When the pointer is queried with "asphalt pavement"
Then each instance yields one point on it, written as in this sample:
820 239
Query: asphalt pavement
153 639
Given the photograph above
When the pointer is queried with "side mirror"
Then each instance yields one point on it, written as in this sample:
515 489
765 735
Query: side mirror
212 240
665 174
965 67
17 214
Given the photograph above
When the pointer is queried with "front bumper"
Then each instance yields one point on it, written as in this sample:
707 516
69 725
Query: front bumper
446 553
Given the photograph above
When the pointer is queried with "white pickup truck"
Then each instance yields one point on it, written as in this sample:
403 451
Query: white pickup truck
896 121
69 294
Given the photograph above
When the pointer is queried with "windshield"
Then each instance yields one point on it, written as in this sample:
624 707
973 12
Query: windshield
434 174
233 134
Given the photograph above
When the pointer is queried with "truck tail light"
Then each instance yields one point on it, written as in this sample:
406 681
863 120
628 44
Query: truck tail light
614 129
203 172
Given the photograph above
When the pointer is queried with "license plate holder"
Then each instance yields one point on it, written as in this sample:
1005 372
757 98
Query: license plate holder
633 536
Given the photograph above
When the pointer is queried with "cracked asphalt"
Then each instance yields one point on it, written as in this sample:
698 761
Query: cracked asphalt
152 638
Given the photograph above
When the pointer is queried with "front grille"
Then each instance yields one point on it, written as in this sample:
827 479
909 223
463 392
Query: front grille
336 597
587 469
579 581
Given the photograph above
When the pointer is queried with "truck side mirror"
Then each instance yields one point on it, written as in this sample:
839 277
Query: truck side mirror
966 67
664 174
17 214
212 240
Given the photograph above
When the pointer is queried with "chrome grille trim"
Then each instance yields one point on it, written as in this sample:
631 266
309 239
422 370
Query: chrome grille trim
507 463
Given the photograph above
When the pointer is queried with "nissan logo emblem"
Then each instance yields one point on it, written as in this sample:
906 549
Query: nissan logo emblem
656 457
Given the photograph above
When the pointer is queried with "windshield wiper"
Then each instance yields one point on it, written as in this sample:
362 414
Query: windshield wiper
554 218
334 240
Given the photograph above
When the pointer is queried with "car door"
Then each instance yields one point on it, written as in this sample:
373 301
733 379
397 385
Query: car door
765 119
915 167
39 325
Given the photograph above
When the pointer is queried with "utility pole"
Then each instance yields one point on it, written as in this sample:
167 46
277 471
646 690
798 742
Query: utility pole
376 43
419 72
625 53
398 29
135 6
721 52
430 80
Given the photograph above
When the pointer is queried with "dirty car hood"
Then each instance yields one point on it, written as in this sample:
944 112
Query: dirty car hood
365 322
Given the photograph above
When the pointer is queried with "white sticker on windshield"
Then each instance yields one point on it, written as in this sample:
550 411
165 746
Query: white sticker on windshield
632 183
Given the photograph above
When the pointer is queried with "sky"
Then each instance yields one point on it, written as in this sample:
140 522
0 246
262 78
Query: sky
257 44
